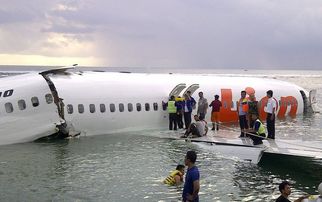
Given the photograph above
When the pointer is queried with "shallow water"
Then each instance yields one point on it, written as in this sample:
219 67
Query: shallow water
131 166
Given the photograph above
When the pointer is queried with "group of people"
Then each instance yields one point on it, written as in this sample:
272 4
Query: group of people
182 107
192 185
178 108
248 113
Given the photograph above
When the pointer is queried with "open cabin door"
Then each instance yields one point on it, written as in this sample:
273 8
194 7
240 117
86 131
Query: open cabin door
312 98
192 88
177 90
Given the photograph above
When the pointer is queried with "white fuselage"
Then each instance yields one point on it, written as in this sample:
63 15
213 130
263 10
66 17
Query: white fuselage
107 99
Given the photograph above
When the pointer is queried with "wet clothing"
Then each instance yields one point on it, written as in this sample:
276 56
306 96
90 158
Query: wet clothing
191 176
170 179
281 198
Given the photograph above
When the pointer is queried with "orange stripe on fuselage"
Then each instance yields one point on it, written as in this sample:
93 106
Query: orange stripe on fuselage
227 115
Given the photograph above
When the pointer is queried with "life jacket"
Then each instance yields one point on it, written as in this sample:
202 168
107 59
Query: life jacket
170 179
172 107
244 104
261 129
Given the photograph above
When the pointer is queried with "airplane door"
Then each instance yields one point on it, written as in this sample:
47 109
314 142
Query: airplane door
177 90
192 88
312 97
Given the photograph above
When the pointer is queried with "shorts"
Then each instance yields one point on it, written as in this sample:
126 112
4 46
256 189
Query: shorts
215 117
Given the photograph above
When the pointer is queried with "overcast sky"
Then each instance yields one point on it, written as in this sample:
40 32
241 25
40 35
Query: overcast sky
163 33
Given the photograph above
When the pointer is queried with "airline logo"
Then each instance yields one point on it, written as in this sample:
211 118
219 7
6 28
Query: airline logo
228 114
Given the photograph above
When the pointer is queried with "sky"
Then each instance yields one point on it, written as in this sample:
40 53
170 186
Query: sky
245 34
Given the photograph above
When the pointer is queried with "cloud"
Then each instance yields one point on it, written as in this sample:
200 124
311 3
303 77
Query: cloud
167 33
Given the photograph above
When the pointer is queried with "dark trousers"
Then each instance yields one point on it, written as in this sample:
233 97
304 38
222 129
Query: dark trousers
270 124
179 120
256 139
202 116
187 119
243 124
173 121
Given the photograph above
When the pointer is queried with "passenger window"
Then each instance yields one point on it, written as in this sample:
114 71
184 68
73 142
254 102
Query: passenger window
102 108
164 107
21 104
112 107
35 101
91 108
70 109
81 108
9 107
155 106
138 107
121 107
49 98
130 107
147 107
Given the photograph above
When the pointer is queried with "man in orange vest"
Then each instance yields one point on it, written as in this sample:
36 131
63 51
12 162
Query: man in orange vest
242 113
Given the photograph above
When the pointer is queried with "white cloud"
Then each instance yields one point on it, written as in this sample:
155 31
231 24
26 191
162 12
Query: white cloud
167 33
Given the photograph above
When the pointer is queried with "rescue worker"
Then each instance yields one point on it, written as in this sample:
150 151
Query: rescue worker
242 113
175 177
172 110
258 130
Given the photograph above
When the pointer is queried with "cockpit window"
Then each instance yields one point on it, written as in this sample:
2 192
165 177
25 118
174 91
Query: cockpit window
9 107
49 98
35 101
21 104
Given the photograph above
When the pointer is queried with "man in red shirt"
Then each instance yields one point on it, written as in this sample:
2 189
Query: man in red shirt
215 104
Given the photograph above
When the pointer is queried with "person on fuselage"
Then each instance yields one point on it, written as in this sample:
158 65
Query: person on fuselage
242 113
202 106
252 109
187 109
175 177
172 110
197 129
215 104
258 130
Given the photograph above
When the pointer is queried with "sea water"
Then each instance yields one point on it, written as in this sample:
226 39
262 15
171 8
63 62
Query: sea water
131 166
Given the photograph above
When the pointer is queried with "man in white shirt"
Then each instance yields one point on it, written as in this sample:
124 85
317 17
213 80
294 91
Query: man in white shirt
270 110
